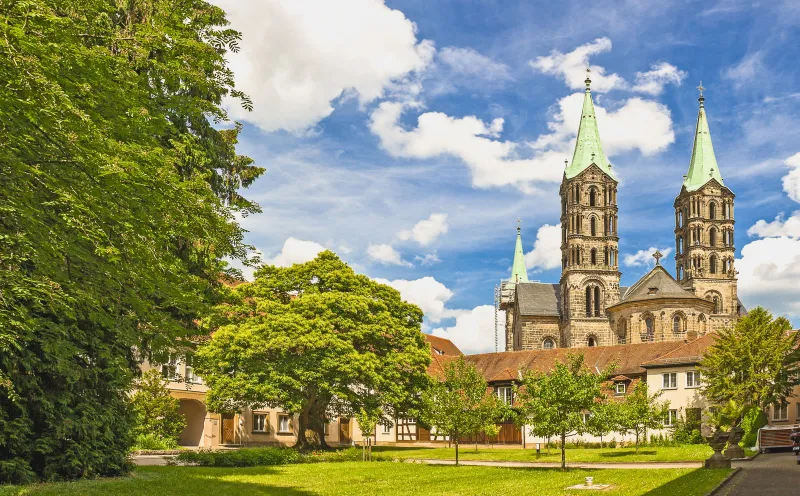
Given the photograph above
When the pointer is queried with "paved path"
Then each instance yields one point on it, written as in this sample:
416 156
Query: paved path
773 474
150 460
642 465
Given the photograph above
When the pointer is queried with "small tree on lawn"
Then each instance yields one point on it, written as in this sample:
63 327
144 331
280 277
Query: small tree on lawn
754 364
156 411
603 419
553 404
641 411
460 404
368 419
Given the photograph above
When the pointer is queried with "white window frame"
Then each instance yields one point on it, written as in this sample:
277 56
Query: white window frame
669 380
281 418
672 416
387 429
506 394
260 422
620 385
780 408
169 370
586 416
696 378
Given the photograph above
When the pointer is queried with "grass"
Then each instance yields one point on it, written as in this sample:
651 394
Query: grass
685 453
385 478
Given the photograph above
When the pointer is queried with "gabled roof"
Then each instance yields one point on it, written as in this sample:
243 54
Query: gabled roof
703 166
628 357
445 346
658 283
536 298
588 149
689 354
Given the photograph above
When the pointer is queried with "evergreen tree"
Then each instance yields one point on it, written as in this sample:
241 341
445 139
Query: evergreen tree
117 197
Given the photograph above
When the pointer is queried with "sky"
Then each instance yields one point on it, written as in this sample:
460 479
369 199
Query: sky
408 136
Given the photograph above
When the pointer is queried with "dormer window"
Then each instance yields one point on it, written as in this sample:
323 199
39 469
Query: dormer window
652 291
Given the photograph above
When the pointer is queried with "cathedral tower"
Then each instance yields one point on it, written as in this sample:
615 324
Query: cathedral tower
704 221
589 242
519 274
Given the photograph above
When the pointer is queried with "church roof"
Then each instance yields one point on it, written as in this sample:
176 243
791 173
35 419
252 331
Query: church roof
518 271
703 166
691 353
588 149
658 283
543 299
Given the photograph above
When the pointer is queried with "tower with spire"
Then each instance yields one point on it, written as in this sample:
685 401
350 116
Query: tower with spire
589 243
704 226
519 275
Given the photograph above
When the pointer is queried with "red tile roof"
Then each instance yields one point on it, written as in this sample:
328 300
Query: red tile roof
445 346
690 353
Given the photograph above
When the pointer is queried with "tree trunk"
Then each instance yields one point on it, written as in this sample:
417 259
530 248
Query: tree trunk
455 441
302 423
637 441
563 451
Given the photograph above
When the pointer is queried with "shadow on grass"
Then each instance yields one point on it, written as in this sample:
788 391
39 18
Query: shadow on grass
618 454
699 481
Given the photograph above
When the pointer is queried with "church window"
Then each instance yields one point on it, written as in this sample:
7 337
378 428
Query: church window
594 256
593 226
588 301
680 245
591 342
712 237
677 325
712 264
679 272
548 344
650 329
712 211
592 197
717 306
622 331
606 256
596 301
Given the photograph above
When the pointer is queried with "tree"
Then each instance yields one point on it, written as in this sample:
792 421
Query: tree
156 410
461 404
315 339
603 419
756 363
554 404
640 411
117 203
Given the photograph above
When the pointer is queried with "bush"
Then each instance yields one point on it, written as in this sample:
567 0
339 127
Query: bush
154 442
753 420
268 456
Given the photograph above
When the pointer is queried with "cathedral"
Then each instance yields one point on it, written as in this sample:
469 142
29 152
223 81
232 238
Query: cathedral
588 307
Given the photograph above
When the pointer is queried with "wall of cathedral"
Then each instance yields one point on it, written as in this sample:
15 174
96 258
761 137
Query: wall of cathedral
530 332
656 321
583 332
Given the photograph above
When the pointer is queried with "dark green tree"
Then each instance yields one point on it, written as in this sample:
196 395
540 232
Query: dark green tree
117 202
461 404
318 340
156 410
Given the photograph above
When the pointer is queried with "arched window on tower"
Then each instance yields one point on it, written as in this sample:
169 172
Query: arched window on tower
712 211
588 301
593 256
679 272
680 245
596 301
606 256
712 237
593 197
712 264
593 226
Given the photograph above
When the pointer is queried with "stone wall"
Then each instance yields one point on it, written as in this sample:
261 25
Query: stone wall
531 331
630 327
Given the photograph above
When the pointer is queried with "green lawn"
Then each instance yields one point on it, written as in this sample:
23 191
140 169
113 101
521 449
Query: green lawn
690 452
385 478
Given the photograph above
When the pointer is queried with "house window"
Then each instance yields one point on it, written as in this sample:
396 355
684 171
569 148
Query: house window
548 344
672 416
259 422
692 379
620 388
387 429
586 417
283 424
670 380
169 370
505 394
780 412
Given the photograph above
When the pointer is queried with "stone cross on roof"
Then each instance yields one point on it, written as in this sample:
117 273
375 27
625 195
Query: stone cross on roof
657 255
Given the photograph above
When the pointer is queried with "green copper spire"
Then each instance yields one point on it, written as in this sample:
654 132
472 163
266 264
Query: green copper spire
518 271
703 166
588 150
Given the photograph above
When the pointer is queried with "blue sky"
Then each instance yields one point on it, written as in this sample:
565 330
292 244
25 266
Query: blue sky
373 116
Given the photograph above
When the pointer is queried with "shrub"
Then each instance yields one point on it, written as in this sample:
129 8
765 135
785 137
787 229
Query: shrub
156 410
154 442
753 420
268 456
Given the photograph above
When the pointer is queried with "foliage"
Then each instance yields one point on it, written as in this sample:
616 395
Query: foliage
554 404
318 340
156 411
753 420
754 364
386 479
117 197
460 404
640 411
153 442
603 419
268 456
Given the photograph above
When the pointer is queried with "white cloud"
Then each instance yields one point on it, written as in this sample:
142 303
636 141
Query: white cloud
297 57
427 230
473 331
653 81
778 227
572 67
768 273
427 293
791 181
746 71
295 251
470 63
428 259
643 258
385 255
546 253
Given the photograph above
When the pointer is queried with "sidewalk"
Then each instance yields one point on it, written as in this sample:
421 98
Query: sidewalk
483 463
